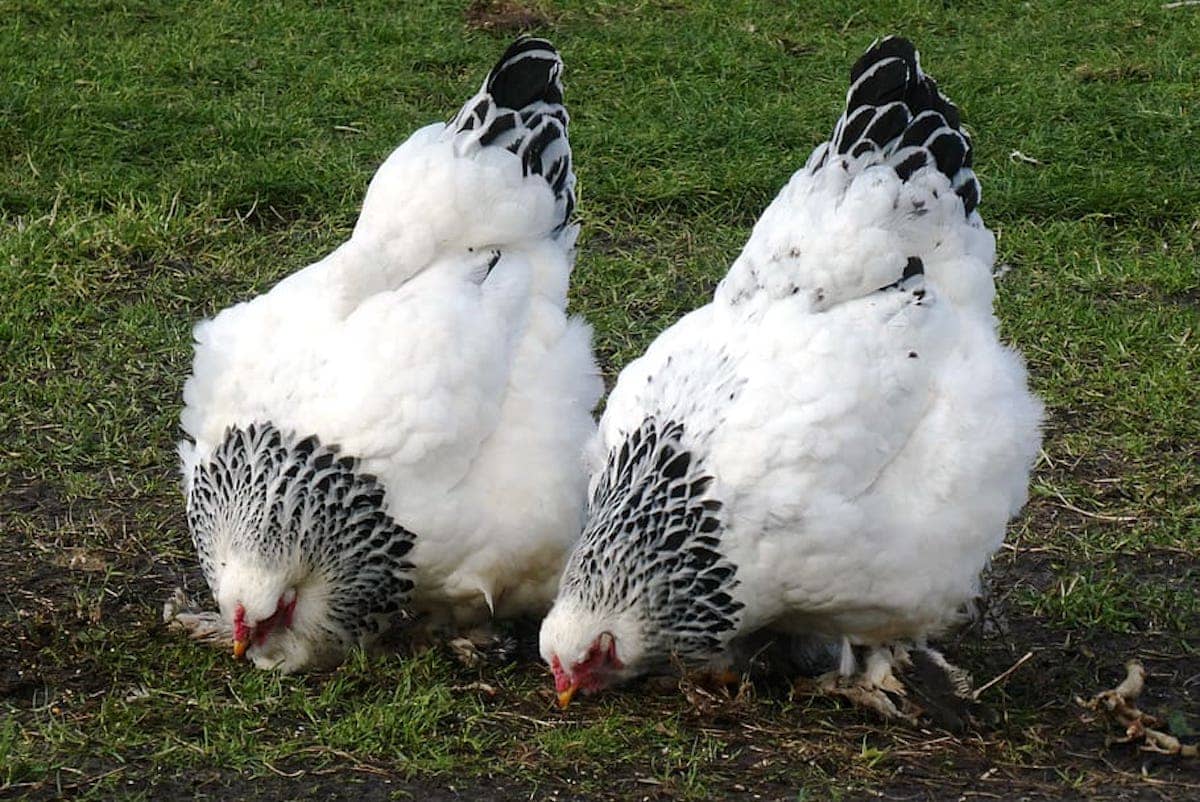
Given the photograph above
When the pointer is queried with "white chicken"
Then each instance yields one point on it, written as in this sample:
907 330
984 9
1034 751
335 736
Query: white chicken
401 424
833 446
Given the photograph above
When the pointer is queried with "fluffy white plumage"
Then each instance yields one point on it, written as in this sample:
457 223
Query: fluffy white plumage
433 351
843 407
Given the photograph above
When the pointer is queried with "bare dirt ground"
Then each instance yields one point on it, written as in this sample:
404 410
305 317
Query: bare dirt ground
1033 740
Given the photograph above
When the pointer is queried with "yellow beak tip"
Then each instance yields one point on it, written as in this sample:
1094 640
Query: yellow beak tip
239 649
566 696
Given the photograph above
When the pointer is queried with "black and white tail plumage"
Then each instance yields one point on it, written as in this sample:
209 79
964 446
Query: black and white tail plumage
520 108
654 537
895 115
298 505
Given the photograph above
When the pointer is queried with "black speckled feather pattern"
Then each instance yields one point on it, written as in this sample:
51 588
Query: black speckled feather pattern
521 109
895 111
654 539
295 504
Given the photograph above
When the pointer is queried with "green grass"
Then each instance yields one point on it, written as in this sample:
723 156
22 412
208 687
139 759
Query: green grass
160 161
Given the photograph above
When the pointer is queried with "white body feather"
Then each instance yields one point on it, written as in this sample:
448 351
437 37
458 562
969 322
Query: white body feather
833 446
467 393
876 448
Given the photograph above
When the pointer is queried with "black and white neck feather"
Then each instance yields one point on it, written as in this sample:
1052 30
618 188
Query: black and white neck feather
652 546
267 503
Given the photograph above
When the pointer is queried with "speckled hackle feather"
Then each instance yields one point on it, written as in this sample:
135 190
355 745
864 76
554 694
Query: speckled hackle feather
282 501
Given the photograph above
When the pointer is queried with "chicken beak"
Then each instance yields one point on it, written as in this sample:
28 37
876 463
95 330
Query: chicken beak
239 649
565 697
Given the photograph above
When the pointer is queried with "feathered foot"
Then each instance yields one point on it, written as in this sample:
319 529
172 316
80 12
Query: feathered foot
722 678
718 676
933 687
180 612
945 691
876 687
481 646
716 689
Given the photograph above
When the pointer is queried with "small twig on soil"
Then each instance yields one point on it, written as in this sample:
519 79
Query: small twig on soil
356 764
1015 549
1001 676
1181 4
520 717
186 745
1097 515
291 776
482 687
1108 764
922 748
93 780
1045 457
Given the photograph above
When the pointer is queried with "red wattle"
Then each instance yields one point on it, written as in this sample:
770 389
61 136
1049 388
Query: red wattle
240 631
561 681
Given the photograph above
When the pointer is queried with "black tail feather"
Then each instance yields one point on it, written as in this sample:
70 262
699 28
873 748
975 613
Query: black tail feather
896 111
527 72
520 108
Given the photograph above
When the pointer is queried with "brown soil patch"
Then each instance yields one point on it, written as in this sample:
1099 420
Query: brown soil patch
504 16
